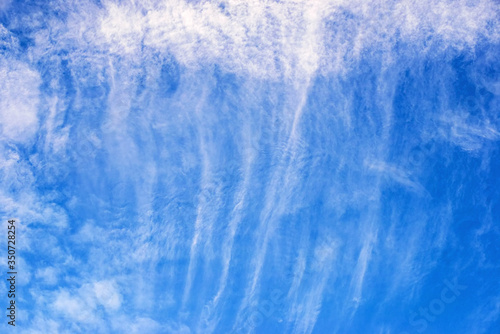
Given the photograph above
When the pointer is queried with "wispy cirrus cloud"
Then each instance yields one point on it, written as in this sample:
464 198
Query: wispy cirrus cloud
174 163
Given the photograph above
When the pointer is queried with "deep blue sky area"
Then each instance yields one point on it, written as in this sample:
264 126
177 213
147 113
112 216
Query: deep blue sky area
251 166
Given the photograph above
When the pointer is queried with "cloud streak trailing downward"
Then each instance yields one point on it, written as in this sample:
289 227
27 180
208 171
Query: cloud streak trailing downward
252 167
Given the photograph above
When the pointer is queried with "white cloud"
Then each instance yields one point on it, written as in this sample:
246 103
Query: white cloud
395 174
468 132
19 98
48 275
293 39
73 307
81 304
107 295
41 325
139 325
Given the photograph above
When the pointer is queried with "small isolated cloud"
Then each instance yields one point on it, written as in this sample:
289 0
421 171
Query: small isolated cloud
47 275
107 295
468 133
395 174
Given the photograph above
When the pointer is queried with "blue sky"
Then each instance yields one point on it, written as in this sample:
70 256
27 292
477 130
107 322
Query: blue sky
252 166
